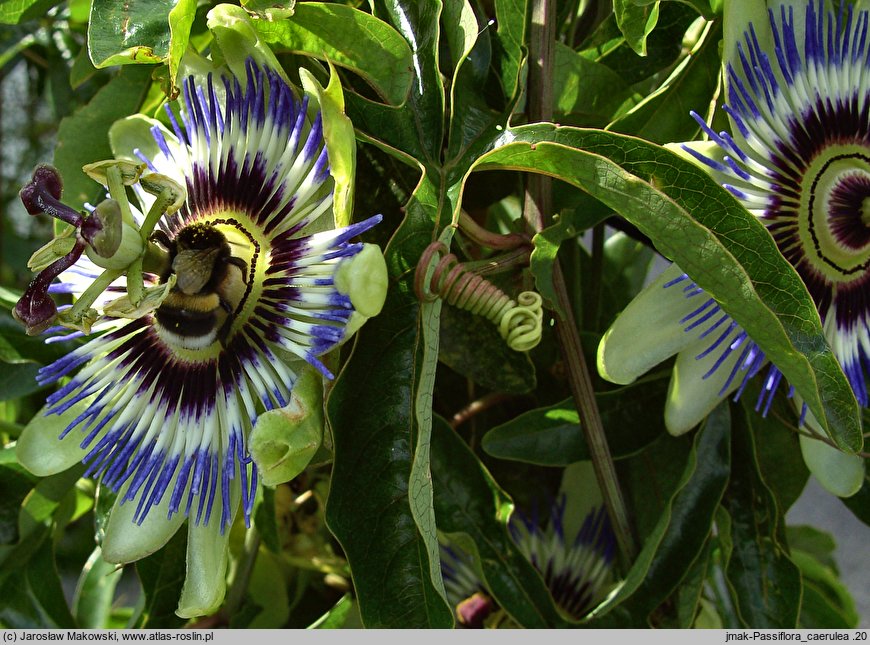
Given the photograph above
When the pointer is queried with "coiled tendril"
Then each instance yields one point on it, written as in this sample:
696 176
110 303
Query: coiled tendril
519 321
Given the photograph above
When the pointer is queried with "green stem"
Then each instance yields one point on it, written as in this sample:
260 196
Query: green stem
156 211
239 586
487 238
94 290
119 193
537 205
506 262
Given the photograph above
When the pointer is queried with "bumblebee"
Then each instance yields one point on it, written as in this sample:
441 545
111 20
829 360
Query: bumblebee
209 289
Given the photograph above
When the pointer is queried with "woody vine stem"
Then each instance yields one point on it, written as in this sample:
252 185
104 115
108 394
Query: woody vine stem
537 206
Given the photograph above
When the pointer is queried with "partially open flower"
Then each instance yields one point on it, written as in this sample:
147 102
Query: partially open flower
798 158
244 284
576 568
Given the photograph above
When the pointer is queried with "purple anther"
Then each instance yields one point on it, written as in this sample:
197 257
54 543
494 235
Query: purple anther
36 310
42 195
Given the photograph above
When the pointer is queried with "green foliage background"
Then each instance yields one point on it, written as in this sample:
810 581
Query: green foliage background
434 425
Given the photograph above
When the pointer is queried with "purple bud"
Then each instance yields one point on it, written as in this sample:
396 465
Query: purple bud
42 195
36 310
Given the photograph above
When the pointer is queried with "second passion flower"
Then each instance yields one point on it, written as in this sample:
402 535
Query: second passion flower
798 159
252 285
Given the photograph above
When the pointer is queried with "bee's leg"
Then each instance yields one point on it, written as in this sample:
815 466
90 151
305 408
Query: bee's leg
161 238
241 265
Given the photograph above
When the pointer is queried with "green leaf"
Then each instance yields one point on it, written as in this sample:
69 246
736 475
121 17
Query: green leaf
135 31
779 455
349 38
689 596
180 21
586 92
765 584
24 348
335 617
663 116
826 602
36 517
813 542
16 484
394 559
681 531
13 12
33 596
551 436
265 521
418 24
17 380
636 21
468 501
83 137
698 224
859 503
481 102
95 591
162 576
609 46
472 346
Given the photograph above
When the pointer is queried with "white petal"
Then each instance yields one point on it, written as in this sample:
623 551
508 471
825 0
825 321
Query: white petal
648 331
840 473
127 541
691 397
39 449
205 584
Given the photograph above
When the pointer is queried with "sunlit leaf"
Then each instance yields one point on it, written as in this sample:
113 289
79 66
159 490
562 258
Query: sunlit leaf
698 224
350 38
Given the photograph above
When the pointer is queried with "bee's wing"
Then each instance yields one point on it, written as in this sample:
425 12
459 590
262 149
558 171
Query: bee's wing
193 269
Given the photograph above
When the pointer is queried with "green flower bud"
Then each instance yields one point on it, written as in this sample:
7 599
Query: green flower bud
364 278
284 441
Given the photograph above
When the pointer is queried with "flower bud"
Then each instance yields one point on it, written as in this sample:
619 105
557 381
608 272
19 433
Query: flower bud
42 195
35 310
